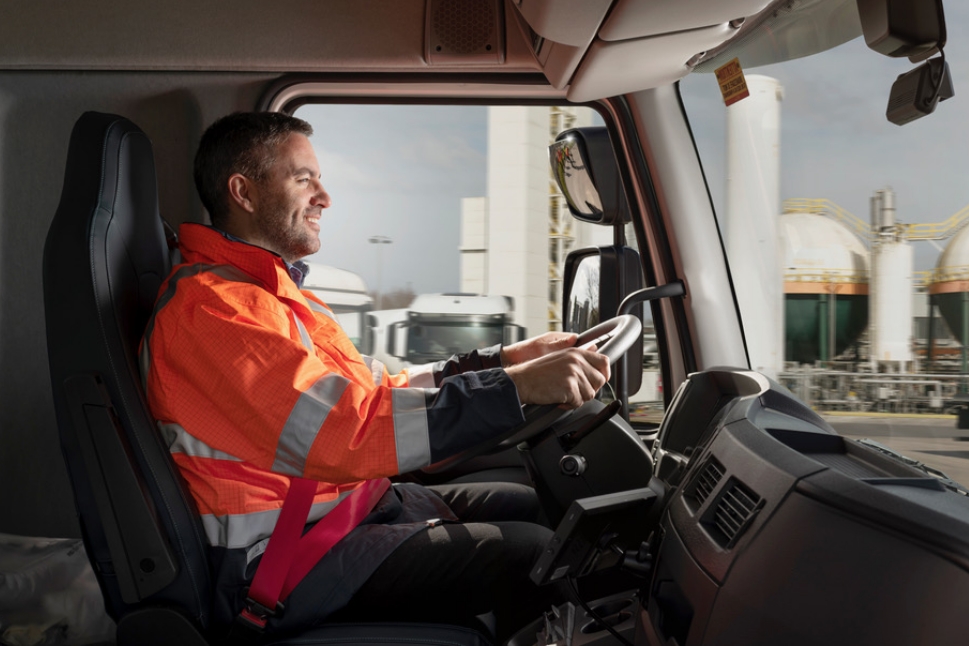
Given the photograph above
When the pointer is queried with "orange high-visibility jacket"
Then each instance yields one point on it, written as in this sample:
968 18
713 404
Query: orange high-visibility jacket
253 381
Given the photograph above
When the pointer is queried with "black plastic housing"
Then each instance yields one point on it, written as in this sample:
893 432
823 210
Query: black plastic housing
783 532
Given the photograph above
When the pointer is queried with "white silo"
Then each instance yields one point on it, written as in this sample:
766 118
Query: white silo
752 205
890 287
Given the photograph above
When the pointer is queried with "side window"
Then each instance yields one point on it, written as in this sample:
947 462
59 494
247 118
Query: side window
446 229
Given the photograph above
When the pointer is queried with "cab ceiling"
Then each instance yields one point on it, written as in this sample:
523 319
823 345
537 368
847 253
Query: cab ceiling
592 48
207 35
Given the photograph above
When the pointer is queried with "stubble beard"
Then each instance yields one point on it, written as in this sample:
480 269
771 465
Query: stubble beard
290 241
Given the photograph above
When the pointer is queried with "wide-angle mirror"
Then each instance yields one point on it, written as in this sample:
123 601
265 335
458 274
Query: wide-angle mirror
574 178
584 167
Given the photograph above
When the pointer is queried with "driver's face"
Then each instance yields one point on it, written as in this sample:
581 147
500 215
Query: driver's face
291 200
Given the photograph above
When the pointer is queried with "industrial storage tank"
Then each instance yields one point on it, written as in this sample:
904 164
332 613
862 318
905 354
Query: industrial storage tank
889 287
825 285
949 285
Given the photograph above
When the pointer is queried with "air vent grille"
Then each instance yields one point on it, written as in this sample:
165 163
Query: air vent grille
733 512
707 480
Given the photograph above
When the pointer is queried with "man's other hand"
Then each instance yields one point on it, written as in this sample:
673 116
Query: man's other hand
568 377
535 347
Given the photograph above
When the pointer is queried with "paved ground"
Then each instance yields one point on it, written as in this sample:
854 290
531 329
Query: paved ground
933 440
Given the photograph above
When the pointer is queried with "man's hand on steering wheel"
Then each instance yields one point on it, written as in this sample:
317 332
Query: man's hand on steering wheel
568 377
536 347
553 381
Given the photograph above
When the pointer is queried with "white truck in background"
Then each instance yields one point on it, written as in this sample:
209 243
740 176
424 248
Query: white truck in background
346 294
435 326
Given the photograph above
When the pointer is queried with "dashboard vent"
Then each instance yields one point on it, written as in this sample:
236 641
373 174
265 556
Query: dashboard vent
732 514
706 481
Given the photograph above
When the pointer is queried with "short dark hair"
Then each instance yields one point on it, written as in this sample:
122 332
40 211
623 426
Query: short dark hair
244 143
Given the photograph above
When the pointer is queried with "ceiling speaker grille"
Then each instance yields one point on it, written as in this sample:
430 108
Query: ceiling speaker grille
464 26
464 31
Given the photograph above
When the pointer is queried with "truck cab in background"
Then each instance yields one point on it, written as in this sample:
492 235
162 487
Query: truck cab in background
435 326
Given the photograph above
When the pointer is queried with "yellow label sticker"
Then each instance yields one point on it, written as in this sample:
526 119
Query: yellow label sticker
733 87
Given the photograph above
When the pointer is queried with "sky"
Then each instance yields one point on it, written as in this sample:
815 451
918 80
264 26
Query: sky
393 169
836 142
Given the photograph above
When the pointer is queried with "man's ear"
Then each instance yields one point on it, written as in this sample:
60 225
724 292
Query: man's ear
242 192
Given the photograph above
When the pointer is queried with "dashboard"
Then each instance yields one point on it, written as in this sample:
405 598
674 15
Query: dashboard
778 530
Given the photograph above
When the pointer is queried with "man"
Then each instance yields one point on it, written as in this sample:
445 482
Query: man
254 384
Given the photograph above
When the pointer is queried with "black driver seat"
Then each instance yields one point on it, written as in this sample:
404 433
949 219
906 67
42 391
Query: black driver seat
105 258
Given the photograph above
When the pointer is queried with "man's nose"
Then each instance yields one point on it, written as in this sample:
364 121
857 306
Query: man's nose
321 197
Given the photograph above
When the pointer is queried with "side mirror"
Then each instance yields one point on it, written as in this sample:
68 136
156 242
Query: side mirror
397 339
369 341
596 281
584 167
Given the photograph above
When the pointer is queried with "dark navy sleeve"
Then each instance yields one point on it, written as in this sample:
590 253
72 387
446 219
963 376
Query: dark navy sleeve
470 408
482 359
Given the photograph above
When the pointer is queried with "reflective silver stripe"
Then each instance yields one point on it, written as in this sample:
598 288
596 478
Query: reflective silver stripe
304 423
244 530
410 428
144 360
421 376
304 335
377 369
227 272
316 307
181 441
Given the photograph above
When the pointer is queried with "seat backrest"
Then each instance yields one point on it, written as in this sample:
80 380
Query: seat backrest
104 260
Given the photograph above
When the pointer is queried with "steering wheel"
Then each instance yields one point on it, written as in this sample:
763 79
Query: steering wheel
612 338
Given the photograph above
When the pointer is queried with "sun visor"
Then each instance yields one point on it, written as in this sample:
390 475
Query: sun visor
636 19
786 31
619 67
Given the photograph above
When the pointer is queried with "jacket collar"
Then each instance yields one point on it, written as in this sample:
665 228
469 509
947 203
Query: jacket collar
203 244
297 270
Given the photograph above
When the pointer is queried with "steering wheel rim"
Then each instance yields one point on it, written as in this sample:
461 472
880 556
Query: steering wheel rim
612 338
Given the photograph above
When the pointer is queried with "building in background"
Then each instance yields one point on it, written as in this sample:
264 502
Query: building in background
523 228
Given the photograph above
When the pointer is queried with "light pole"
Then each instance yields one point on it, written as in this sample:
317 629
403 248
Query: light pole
379 240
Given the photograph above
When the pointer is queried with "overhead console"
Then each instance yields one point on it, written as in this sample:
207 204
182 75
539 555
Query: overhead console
603 48
783 532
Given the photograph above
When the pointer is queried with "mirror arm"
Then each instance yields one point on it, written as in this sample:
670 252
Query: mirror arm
669 290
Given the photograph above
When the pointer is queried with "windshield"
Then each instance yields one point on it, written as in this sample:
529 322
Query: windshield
857 227
433 341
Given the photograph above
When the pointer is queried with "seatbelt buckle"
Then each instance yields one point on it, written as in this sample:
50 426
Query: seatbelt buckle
255 615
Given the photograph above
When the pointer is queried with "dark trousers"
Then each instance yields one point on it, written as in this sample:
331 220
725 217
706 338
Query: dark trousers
453 572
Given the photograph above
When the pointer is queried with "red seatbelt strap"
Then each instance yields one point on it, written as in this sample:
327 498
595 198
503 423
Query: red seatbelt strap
290 556
331 528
